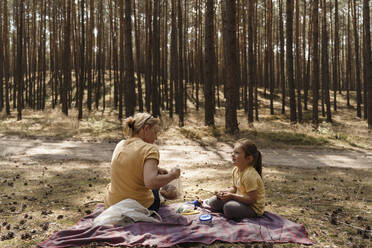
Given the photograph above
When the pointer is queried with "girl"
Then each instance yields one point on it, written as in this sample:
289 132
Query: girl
246 198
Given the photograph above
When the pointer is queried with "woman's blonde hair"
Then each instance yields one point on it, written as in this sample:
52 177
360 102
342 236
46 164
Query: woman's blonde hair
133 124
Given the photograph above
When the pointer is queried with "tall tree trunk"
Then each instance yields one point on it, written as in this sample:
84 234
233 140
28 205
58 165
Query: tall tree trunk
282 70
325 71
1 60
357 63
298 63
270 55
245 59
66 59
90 52
174 57
130 90
148 73
315 60
336 59
156 61
210 60
122 67
180 66
138 57
367 61
251 60
348 60
20 82
290 78
232 73
6 56
82 62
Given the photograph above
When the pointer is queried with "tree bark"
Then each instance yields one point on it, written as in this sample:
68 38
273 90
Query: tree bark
290 78
210 60
357 63
156 61
325 71
315 60
367 61
130 91
173 59
180 66
251 60
336 59
229 40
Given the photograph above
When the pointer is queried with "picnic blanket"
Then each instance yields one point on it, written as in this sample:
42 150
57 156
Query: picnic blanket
177 228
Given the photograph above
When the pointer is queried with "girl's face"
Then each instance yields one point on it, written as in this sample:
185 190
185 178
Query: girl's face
239 158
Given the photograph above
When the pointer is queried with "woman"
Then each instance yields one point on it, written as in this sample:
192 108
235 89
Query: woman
246 197
134 164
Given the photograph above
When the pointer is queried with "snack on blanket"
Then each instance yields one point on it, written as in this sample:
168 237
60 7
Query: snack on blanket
169 192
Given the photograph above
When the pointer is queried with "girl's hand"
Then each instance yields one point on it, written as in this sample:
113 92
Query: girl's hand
225 196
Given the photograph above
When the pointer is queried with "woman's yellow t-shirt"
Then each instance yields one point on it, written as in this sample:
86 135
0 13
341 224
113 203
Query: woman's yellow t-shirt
249 180
127 172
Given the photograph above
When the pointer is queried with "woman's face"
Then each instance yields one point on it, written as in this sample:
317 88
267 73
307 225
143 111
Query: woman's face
151 133
239 158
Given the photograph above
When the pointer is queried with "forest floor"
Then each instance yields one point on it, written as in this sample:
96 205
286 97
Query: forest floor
54 170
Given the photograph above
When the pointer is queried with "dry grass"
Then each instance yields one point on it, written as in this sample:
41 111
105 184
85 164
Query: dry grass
39 198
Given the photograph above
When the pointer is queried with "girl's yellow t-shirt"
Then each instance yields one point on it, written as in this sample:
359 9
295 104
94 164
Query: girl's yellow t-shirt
127 172
249 180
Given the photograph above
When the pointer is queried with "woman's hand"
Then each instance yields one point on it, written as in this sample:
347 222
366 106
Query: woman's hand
162 171
175 172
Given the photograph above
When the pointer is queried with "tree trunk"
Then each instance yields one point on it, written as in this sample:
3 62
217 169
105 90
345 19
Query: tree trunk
270 55
325 71
20 15
336 59
1 60
121 63
251 60
180 66
299 79
148 73
82 62
210 60
348 60
357 63
6 56
156 61
90 56
138 56
229 40
290 79
130 90
66 59
315 60
174 58
282 71
367 61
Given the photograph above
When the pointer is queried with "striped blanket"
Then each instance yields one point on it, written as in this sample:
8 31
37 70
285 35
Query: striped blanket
176 229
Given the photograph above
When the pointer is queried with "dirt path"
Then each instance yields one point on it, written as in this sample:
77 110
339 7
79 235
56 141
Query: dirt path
31 150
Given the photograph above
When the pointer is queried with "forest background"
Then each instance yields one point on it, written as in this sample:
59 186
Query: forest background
291 73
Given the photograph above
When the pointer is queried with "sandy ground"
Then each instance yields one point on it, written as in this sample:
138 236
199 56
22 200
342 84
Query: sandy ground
183 154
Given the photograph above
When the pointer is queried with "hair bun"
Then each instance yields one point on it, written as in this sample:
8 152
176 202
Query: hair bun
131 124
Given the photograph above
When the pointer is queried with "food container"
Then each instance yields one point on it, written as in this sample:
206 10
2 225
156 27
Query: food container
205 219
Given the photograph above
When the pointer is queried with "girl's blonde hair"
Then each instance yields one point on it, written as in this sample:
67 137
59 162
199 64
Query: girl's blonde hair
133 124
250 148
